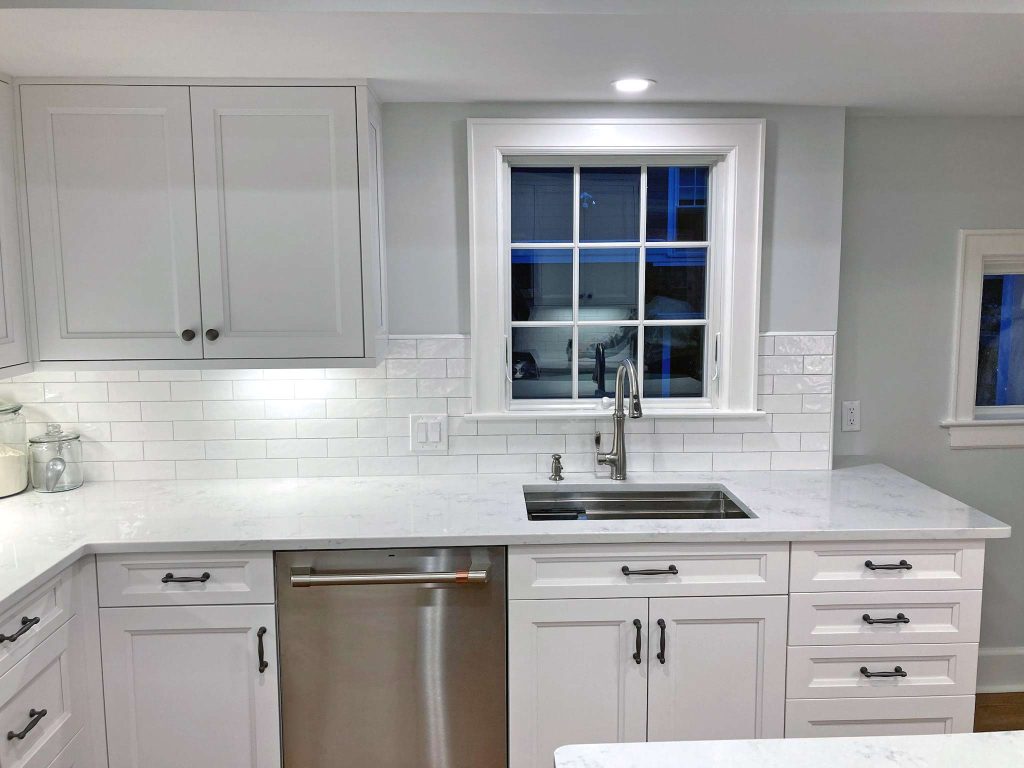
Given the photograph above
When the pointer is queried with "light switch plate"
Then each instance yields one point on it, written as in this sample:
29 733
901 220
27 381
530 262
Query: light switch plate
428 433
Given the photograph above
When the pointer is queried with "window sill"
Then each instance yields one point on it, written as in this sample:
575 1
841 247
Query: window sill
988 433
605 413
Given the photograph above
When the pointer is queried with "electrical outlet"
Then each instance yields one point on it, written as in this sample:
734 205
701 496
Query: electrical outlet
428 433
851 415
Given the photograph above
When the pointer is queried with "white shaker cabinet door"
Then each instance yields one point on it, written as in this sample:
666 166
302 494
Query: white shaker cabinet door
13 346
111 205
724 669
572 678
277 190
183 687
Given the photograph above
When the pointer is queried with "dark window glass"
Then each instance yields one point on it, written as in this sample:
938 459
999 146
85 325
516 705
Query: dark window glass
541 363
542 205
677 204
673 361
674 283
609 283
609 205
601 350
541 284
1001 341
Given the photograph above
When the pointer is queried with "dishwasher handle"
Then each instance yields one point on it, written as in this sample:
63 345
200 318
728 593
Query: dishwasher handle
307 577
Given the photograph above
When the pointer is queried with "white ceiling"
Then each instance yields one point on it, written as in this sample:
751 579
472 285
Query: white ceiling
907 56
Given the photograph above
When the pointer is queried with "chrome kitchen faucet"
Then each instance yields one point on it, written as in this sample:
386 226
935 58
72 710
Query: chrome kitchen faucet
616 457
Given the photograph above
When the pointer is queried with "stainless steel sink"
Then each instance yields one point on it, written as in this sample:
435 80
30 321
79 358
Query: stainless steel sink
580 502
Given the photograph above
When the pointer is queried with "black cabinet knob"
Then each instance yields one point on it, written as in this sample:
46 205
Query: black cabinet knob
212 335
188 334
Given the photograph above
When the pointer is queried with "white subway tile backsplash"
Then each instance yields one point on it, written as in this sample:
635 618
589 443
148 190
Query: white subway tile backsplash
194 424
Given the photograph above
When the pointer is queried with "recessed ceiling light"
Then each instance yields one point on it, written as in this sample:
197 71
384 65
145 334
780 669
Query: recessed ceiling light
632 84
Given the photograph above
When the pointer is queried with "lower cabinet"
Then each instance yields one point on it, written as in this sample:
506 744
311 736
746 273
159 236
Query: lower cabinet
638 669
191 686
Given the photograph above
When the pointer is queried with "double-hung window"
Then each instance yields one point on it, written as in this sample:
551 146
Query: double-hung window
593 242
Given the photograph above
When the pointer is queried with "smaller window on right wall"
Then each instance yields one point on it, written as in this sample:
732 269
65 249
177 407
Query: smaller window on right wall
987 403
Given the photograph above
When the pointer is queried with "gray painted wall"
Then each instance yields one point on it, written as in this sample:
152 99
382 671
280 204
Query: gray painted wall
425 187
910 184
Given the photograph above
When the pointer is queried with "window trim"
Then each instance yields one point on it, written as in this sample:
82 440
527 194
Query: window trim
738 146
970 426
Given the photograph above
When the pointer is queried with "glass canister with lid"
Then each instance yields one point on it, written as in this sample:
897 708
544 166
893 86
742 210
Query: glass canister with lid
13 449
56 460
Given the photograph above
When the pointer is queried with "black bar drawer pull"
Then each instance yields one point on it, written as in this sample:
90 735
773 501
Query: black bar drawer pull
170 578
900 619
36 715
259 649
661 645
902 565
636 656
896 672
670 571
26 625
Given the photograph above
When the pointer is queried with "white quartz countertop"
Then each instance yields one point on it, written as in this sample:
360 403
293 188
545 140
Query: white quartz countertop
40 534
966 750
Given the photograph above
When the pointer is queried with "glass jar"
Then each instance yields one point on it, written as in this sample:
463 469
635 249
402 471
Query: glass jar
56 460
13 449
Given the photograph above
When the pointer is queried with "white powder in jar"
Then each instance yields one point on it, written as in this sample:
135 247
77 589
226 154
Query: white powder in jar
13 470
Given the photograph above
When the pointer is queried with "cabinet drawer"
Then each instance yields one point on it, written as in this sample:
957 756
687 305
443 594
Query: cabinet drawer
882 618
581 570
76 754
879 717
843 567
46 680
41 612
212 578
827 672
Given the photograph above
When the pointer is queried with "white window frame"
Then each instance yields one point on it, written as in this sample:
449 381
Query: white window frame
736 147
982 252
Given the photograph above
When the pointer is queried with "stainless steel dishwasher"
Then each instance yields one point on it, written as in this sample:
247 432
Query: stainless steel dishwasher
393 658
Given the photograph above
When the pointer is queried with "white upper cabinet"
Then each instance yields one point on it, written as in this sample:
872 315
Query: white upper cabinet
13 346
277 189
111 205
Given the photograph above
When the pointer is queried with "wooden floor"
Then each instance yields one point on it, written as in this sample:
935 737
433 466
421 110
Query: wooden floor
999 712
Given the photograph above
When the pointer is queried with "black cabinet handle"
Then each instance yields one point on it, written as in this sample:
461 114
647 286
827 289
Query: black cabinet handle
670 571
900 619
259 649
661 644
171 578
902 565
36 715
896 672
26 625
636 656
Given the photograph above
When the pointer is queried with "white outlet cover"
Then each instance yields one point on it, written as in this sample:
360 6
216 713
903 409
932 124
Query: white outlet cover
850 415
428 433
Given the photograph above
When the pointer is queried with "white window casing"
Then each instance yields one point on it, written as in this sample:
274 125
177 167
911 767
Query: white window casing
734 146
981 252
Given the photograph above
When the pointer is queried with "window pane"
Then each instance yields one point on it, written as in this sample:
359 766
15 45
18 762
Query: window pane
674 283
542 284
1001 342
601 350
609 205
542 205
541 363
677 204
609 283
673 361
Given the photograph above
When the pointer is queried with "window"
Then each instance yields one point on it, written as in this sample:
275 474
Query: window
988 384
594 241
634 242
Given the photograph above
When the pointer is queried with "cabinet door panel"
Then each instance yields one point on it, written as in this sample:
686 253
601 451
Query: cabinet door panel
572 677
182 687
724 670
278 217
111 204
13 347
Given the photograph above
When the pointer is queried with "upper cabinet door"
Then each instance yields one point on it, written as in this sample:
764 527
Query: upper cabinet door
111 204
13 348
277 190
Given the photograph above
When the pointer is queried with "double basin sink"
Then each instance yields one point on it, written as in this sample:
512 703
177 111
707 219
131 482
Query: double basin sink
583 502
